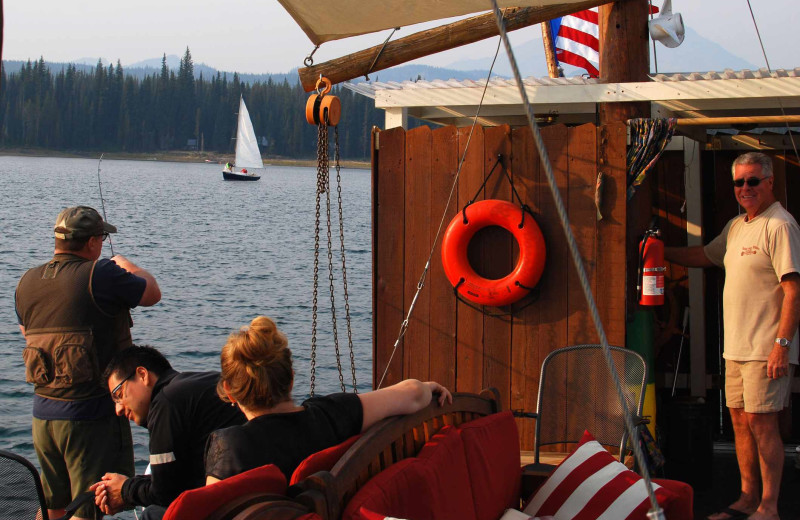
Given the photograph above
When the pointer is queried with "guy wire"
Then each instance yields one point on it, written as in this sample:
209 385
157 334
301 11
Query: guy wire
102 202
421 283
544 159
769 69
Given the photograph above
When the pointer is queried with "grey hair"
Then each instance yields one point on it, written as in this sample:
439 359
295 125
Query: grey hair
758 158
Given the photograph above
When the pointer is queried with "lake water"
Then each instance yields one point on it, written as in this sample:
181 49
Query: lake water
222 252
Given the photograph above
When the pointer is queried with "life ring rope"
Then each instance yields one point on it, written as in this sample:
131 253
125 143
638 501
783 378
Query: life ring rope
532 297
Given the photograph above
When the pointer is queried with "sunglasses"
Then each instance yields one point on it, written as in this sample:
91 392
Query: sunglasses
751 181
116 393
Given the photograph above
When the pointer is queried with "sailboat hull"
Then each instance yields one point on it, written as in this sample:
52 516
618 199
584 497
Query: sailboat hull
230 176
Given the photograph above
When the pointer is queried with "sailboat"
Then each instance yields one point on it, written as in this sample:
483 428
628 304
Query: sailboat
247 154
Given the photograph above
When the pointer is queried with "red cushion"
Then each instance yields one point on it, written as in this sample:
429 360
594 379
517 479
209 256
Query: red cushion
683 507
401 490
491 446
448 476
366 514
321 461
432 486
590 483
196 504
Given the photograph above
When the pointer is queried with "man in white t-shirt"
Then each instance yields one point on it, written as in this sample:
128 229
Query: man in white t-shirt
760 252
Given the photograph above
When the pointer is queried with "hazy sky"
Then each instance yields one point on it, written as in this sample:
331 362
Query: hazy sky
258 36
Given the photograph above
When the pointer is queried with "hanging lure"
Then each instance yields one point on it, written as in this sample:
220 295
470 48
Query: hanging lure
598 194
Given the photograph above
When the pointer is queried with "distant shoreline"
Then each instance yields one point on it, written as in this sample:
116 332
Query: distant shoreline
170 156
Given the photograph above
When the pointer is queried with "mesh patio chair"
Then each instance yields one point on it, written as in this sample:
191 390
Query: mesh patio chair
577 393
21 494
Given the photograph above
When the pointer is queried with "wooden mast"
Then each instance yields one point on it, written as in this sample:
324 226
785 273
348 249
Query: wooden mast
625 57
624 54
549 50
432 41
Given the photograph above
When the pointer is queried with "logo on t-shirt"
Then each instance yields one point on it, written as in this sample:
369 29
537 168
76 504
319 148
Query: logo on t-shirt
752 250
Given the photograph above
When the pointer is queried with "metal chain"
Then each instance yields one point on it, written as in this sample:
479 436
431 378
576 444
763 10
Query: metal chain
338 167
330 281
323 186
322 169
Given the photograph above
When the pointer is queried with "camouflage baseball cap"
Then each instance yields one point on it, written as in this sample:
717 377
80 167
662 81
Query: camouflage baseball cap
81 222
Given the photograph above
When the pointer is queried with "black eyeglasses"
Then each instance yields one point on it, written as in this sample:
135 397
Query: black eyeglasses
751 181
104 235
116 393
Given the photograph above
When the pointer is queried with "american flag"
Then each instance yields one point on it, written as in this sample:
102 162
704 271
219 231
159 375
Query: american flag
576 39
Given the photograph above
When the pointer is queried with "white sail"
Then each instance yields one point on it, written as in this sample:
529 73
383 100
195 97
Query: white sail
247 154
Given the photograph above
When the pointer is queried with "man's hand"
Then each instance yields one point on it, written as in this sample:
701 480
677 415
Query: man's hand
108 493
152 292
778 362
124 263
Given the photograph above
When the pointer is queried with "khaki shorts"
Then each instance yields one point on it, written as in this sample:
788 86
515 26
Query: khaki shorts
747 386
74 455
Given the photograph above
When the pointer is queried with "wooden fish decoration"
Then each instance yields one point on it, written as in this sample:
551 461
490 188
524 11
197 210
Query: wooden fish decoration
598 194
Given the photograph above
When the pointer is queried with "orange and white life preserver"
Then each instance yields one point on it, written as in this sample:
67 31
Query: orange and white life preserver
520 280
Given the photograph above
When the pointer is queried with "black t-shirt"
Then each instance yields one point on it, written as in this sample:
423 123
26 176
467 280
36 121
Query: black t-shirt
284 439
184 410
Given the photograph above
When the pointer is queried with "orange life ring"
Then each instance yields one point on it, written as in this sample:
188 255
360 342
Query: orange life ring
520 280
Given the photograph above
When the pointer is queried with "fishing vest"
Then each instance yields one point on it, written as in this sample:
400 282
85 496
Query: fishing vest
69 338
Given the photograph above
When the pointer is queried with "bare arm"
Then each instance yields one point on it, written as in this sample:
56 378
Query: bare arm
778 361
152 293
693 256
405 397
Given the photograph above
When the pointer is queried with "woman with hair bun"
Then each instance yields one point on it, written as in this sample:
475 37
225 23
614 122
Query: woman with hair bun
257 376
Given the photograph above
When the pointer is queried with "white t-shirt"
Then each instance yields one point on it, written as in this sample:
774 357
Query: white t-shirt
756 254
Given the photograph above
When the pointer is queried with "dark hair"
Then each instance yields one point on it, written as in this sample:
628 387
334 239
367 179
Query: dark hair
125 361
73 244
257 365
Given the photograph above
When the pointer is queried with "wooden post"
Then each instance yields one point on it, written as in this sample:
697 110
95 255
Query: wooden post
624 55
549 50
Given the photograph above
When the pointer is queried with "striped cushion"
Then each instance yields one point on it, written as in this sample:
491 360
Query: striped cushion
591 484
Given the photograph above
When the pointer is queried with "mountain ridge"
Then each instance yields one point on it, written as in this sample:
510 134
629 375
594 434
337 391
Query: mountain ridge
696 54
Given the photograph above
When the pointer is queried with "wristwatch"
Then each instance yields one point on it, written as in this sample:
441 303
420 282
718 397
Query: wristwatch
785 343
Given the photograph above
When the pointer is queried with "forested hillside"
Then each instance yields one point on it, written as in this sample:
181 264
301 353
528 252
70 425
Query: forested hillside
105 110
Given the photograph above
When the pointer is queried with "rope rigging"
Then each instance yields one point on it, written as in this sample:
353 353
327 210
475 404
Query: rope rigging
766 60
325 112
655 511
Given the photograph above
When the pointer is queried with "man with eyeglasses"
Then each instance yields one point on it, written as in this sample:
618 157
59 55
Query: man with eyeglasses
760 252
74 312
179 410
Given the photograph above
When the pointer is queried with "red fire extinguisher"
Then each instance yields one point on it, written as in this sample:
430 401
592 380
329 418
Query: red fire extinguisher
650 283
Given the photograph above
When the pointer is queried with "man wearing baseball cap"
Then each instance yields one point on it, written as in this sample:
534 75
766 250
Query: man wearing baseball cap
74 312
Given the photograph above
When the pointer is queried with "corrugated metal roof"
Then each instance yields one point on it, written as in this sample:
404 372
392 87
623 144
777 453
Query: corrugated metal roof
574 100
369 89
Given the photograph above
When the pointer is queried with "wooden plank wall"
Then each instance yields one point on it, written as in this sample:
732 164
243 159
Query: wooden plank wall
449 341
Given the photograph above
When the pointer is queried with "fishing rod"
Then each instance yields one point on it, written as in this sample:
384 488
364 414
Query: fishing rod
102 202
